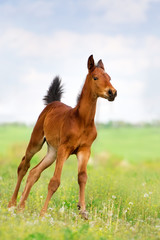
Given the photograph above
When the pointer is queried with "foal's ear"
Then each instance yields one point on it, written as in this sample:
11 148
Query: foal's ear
100 64
91 64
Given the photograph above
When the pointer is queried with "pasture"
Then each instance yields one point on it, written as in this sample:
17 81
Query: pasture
122 192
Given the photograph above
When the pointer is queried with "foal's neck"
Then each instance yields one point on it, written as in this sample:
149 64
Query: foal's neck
86 105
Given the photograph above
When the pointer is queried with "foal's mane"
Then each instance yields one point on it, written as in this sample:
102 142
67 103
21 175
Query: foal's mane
55 90
80 92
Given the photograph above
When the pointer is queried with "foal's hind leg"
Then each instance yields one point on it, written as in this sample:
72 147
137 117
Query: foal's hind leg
54 183
36 172
35 144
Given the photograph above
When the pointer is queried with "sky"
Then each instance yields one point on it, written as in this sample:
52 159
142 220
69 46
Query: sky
40 39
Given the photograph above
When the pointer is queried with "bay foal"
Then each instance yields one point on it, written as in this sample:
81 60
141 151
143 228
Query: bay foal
67 131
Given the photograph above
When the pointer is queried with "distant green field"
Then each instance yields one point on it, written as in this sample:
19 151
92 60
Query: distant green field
122 193
132 144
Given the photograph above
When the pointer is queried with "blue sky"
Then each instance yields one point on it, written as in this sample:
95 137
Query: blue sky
41 39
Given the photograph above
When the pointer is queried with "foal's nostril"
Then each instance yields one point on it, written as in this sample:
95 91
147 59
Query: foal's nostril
110 92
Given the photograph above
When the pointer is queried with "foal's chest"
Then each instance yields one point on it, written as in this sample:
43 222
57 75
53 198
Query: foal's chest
88 135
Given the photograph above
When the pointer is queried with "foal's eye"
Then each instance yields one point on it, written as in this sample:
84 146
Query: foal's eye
95 78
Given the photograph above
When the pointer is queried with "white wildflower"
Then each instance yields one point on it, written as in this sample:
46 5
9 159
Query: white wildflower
157 226
104 206
61 210
143 184
35 222
41 196
146 195
74 214
50 209
43 218
141 220
113 196
46 215
150 193
130 203
110 213
92 224
51 221
132 229
29 223
35 215
11 209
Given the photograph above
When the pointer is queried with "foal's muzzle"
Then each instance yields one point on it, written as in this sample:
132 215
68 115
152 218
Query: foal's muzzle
112 94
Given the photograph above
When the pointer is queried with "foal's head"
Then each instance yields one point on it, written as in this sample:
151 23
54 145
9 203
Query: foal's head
100 80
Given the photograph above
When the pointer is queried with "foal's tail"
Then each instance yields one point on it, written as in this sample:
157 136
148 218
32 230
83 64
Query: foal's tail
54 92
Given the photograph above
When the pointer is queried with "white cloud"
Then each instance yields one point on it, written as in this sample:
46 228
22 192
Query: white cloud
125 51
118 12
127 60
37 8
34 78
26 43
29 59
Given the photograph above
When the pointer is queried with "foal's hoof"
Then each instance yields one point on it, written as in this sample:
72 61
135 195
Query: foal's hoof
42 213
78 206
12 204
84 214
20 208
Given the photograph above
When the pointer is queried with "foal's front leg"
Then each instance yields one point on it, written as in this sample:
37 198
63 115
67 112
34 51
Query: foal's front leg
83 157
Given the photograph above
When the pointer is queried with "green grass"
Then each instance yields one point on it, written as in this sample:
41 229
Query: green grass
122 192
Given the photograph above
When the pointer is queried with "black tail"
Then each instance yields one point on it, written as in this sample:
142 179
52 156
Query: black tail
54 92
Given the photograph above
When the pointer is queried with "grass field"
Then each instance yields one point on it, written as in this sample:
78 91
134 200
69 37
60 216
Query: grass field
122 192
